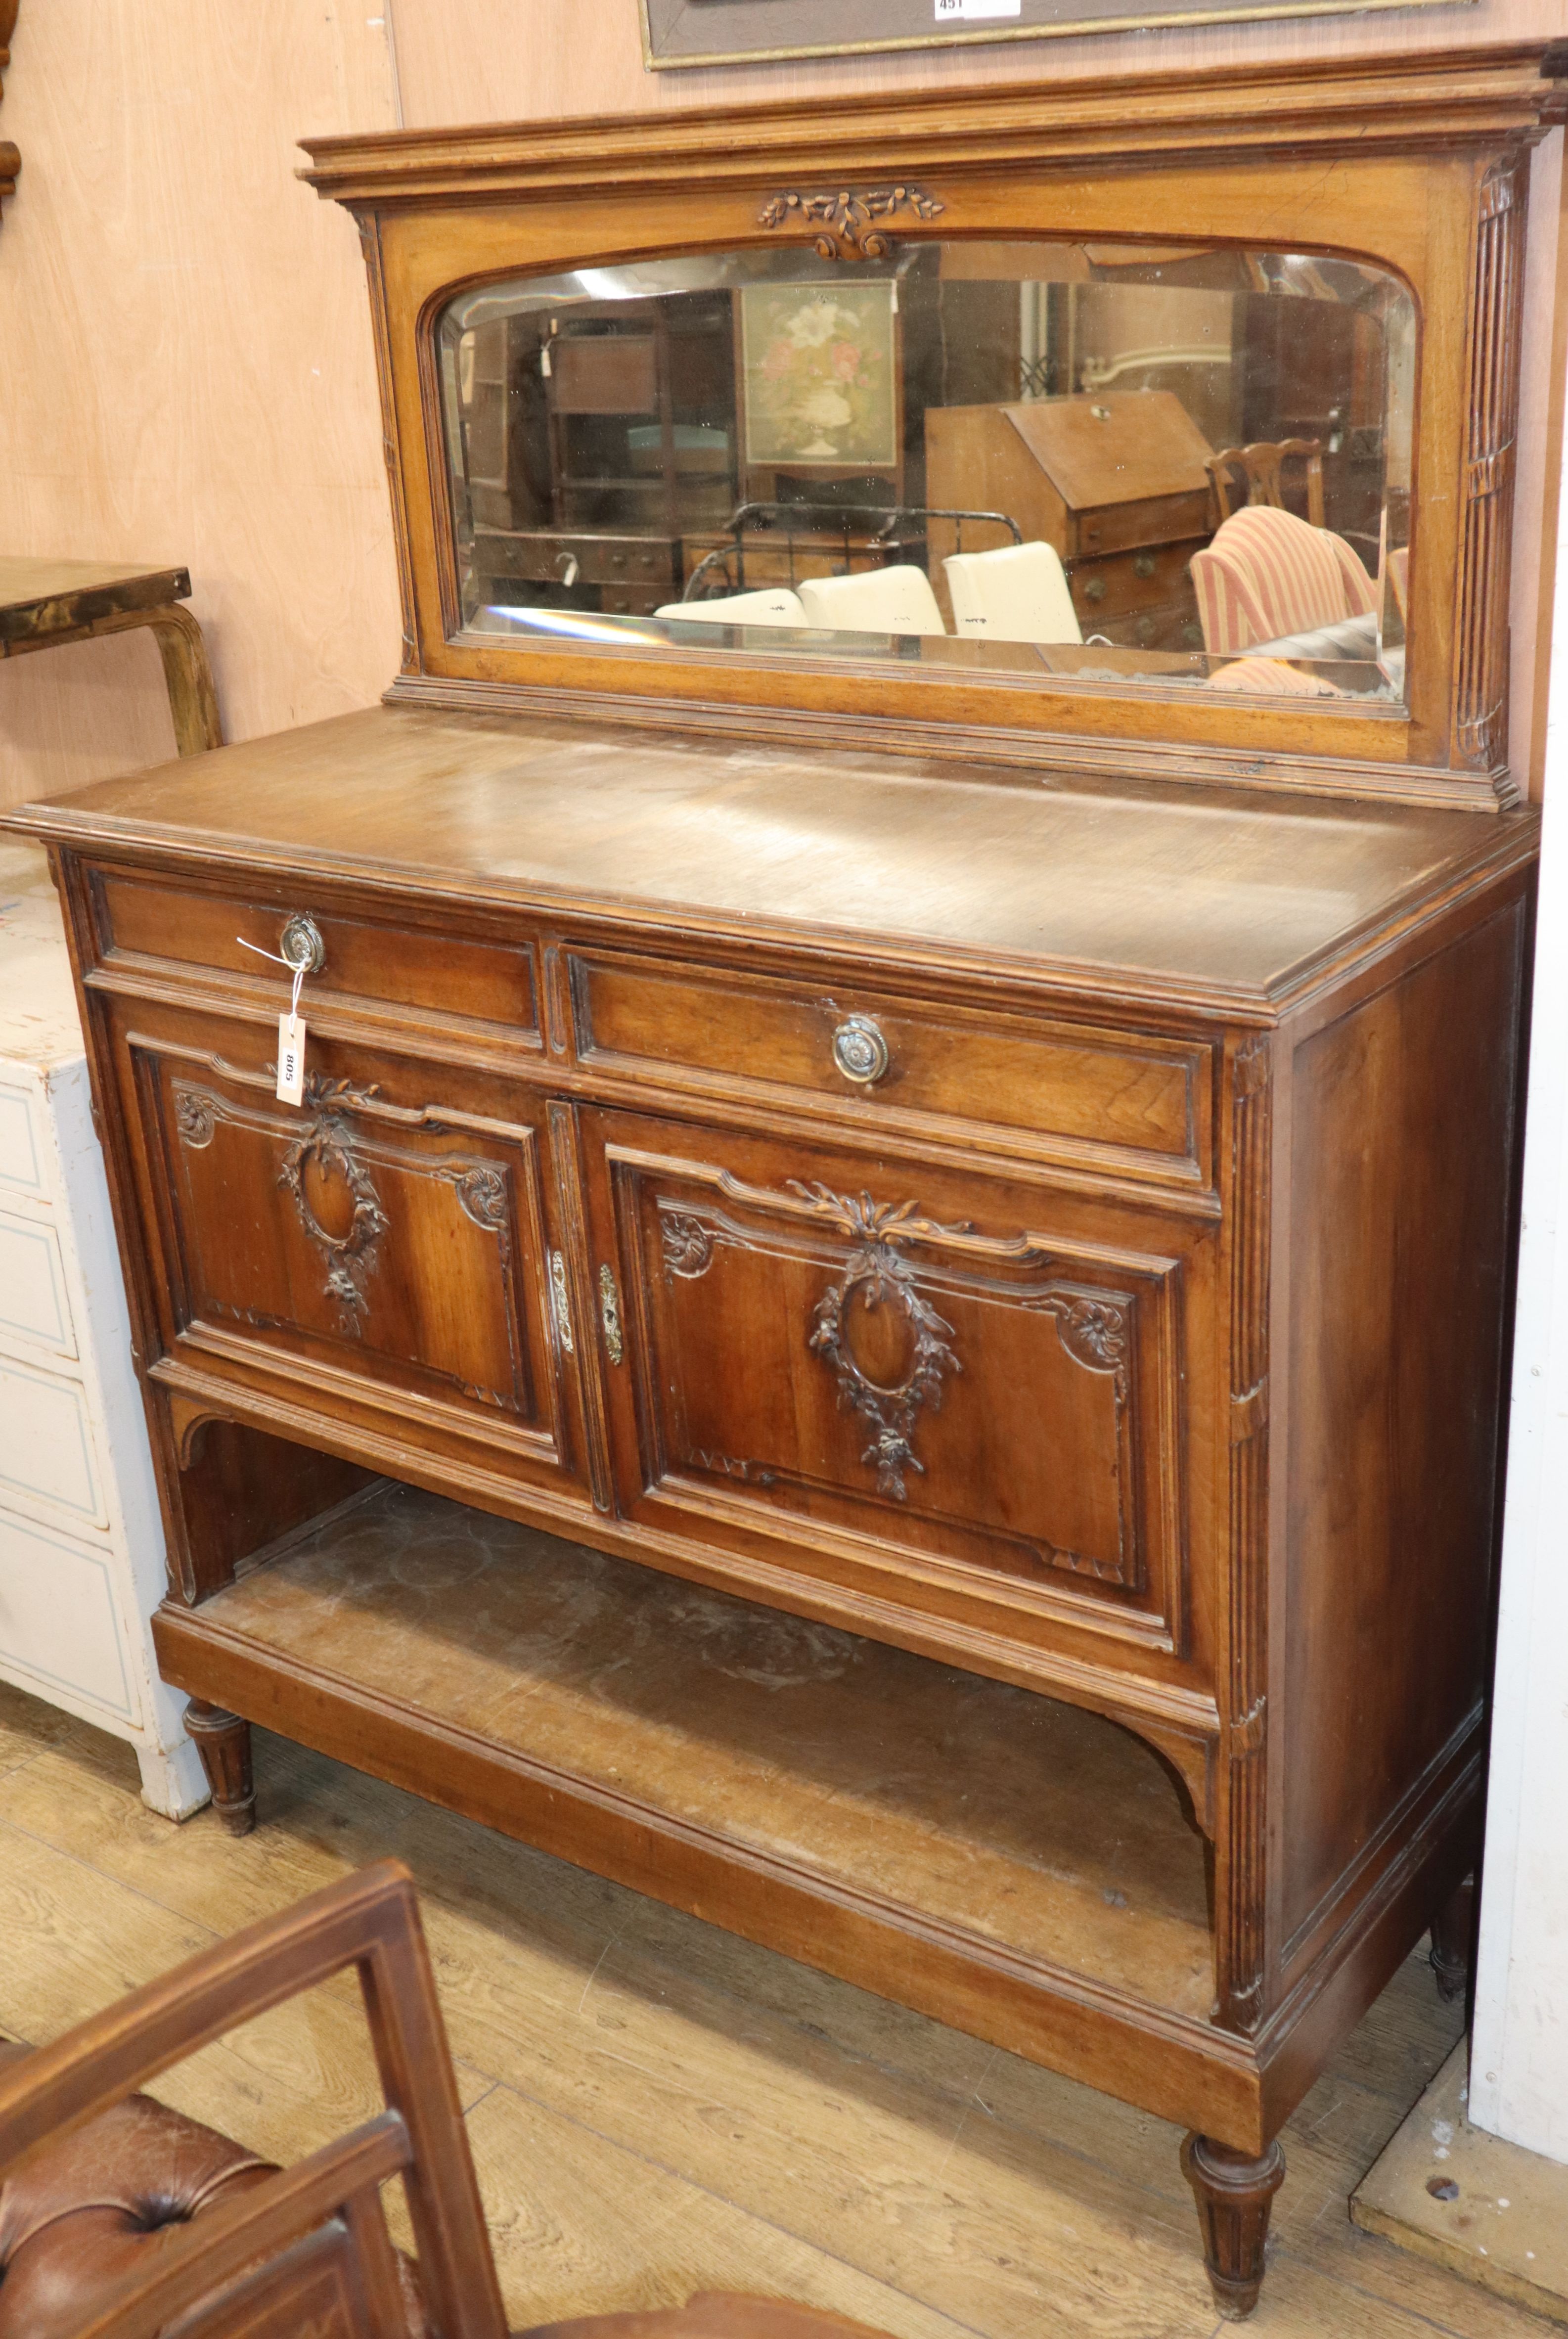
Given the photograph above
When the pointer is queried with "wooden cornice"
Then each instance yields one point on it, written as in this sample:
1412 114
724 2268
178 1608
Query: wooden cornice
1505 92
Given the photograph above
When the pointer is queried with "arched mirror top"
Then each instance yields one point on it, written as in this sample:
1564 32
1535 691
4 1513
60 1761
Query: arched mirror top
1162 426
1178 466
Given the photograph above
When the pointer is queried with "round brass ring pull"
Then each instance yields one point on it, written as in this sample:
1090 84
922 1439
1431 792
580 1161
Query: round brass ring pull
300 943
859 1051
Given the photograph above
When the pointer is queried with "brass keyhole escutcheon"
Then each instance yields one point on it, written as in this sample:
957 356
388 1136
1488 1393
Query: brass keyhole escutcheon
611 1316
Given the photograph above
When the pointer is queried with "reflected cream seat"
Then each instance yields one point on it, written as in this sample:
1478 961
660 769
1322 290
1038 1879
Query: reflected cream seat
777 605
896 600
1017 593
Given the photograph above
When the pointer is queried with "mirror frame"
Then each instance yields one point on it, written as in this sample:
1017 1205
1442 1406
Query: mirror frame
1416 165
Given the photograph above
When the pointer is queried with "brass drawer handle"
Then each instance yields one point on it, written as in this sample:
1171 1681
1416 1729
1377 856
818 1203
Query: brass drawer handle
1095 589
1144 564
611 1316
302 945
859 1051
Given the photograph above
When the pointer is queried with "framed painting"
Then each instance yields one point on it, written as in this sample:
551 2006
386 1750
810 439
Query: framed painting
741 32
819 375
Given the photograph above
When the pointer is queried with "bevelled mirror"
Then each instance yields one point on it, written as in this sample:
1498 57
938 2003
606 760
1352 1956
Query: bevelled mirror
1100 461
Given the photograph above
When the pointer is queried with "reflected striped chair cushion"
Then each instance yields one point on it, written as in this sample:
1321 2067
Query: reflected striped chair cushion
1268 574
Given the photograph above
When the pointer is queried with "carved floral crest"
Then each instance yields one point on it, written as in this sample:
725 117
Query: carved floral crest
850 222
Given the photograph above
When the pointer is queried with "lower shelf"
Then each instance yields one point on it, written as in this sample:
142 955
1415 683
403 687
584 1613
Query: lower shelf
1023 1868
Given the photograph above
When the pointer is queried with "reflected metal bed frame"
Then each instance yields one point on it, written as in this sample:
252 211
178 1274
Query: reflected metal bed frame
779 520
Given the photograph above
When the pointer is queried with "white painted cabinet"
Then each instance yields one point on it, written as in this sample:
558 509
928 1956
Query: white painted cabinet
80 1539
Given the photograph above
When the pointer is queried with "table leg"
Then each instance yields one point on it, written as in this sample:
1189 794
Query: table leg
1234 2194
223 1741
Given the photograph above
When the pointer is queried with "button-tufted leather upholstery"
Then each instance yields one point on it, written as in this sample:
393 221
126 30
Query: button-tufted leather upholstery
82 2215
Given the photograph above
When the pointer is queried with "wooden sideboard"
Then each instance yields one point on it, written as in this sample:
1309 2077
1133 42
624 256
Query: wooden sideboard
880 1307
1132 1340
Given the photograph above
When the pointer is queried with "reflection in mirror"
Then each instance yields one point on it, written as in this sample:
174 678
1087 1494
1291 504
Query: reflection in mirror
1124 463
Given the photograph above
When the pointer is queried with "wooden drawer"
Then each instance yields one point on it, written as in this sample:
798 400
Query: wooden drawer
34 1308
601 560
1150 519
59 1628
22 1157
462 983
1126 582
1011 1083
47 1464
635 600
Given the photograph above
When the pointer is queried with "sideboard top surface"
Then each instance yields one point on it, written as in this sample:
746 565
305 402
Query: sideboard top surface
1200 890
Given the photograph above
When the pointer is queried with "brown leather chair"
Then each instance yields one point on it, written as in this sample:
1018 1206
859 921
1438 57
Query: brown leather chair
120 2218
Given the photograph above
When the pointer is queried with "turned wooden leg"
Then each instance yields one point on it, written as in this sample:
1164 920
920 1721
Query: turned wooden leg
224 1742
1234 2194
1451 1933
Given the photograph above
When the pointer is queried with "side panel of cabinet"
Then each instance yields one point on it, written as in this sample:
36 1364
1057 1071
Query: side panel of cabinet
383 1248
957 1388
1400 1139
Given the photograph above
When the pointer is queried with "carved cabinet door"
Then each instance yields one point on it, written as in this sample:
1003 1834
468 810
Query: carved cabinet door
928 1384
384 1250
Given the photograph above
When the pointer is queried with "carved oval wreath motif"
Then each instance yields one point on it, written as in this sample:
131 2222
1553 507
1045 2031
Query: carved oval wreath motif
876 1278
323 1151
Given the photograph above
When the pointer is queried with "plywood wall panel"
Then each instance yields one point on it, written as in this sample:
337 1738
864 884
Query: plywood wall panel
186 373
506 60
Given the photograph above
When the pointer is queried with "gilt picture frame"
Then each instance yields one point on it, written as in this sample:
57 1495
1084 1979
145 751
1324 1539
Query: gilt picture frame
693 32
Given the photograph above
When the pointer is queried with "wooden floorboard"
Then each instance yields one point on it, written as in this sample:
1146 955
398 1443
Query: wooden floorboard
658 2107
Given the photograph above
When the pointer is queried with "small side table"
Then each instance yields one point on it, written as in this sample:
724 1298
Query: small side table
46 602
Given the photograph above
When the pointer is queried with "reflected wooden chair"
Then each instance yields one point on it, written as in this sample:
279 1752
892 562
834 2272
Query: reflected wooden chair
1262 480
120 2219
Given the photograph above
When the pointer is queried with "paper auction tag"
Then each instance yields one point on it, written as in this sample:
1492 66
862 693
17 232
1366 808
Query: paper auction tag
947 10
290 1059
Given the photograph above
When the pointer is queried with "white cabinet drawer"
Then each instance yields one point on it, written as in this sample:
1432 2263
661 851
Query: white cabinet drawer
24 1156
34 1306
46 1448
58 1624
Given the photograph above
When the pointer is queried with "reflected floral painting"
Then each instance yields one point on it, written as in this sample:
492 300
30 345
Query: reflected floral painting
820 377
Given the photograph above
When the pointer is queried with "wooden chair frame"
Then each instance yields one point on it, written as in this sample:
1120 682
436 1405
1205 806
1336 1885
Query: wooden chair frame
246 2261
1262 466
